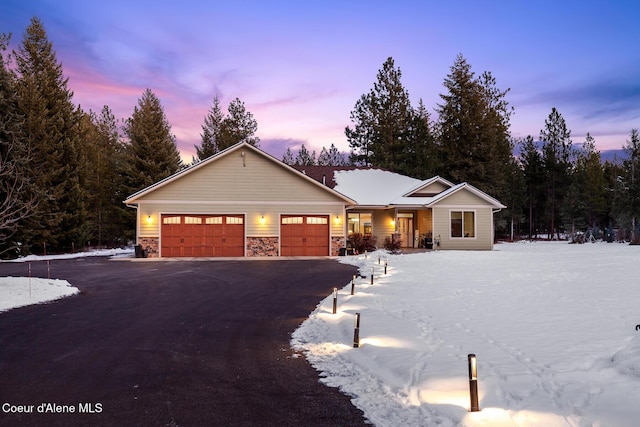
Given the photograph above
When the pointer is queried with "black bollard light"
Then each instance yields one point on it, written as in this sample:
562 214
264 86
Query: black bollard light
372 275
473 382
48 270
385 266
353 284
356 332
637 327
335 300
378 259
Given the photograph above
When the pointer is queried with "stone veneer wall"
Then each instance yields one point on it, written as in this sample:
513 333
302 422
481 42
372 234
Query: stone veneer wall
262 246
150 244
337 242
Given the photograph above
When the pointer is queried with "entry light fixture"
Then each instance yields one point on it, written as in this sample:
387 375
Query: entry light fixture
262 220
393 222
149 219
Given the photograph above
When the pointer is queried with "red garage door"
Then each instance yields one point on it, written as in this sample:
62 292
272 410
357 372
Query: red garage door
202 235
306 235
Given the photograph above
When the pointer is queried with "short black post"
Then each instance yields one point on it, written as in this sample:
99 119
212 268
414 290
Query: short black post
335 300
385 266
356 332
29 280
48 270
473 382
378 259
365 254
372 275
353 284
637 327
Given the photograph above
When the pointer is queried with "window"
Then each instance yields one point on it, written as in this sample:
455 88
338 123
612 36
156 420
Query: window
463 224
316 220
171 220
192 220
359 223
234 220
213 220
292 220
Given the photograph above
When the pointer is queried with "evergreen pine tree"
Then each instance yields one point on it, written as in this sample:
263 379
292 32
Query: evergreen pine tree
287 158
556 151
304 158
473 127
382 122
17 198
421 153
534 184
210 132
150 153
50 124
238 126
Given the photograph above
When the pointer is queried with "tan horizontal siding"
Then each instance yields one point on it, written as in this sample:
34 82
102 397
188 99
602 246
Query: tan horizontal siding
253 213
484 230
234 178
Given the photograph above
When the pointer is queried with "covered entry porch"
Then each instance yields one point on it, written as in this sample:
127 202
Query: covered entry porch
413 228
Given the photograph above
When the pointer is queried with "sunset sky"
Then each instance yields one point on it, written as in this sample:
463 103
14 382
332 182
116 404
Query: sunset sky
300 66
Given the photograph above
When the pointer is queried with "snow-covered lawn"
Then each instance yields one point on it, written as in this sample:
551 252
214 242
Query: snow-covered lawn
552 325
21 291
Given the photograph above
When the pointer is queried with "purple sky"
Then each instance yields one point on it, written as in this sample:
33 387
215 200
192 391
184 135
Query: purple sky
300 67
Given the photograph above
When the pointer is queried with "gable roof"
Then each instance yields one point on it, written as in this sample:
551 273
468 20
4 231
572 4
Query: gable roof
380 188
132 199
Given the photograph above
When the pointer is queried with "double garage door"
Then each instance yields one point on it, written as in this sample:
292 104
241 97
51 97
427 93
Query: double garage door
202 235
224 235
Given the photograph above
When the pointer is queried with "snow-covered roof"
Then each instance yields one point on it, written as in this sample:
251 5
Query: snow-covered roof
375 187
372 187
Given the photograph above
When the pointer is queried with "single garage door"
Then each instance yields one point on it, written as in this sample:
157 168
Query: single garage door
304 235
202 235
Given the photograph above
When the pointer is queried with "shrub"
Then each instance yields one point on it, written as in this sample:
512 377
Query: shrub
392 244
361 242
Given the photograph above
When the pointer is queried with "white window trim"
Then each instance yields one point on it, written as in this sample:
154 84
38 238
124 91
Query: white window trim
475 224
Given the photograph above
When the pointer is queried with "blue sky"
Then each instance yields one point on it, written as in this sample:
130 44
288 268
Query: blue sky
300 67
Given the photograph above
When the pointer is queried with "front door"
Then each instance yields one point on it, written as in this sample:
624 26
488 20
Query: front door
405 229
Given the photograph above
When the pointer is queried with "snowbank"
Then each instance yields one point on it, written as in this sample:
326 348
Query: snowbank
552 324
21 291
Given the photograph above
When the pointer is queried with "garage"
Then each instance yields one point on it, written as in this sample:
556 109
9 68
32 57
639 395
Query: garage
304 235
216 235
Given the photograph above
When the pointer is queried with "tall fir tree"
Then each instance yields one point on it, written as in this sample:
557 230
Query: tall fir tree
557 158
305 158
534 184
221 131
17 198
627 200
238 126
108 219
151 153
287 158
382 122
210 131
331 157
50 124
473 130
421 152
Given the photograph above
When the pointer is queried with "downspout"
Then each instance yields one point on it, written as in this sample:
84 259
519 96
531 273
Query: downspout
493 225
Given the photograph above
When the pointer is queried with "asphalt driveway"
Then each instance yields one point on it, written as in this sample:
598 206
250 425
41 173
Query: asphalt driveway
169 343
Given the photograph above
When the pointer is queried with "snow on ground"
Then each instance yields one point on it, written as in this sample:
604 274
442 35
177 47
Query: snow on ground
552 325
21 291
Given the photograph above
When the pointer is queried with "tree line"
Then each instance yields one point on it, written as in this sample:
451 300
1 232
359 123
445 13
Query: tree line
551 187
64 172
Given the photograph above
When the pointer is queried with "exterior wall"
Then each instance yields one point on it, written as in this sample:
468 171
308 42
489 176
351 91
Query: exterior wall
383 225
484 229
337 242
255 228
262 246
151 244
424 220
238 178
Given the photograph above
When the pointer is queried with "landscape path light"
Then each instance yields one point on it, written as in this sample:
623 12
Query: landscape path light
386 262
473 382
353 284
356 332
335 300
372 275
